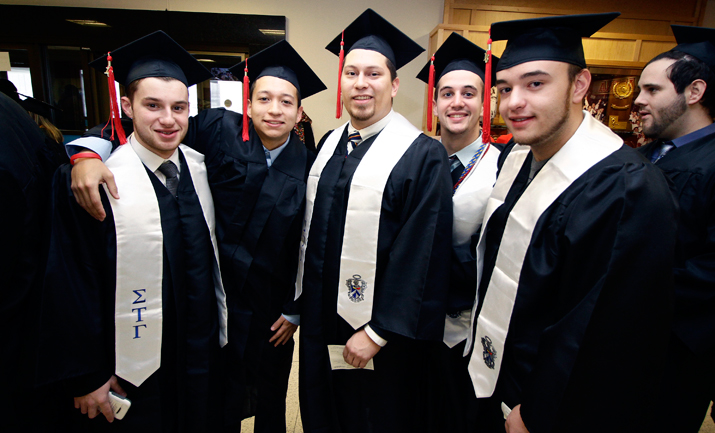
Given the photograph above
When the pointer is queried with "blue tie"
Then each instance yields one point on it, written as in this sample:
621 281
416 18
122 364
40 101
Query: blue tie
268 157
661 151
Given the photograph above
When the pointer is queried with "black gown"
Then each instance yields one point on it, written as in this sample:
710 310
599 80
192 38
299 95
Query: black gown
410 288
688 391
258 223
27 163
77 349
588 332
259 214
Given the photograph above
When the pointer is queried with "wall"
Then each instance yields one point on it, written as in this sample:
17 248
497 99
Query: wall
311 25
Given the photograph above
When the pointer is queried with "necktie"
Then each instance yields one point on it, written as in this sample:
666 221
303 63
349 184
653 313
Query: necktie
353 140
169 170
455 168
268 157
661 151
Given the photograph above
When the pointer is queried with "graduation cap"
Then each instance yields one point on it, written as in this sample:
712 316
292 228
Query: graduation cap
550 38
38 107
699 42
154 55
370 31
279 60
455 54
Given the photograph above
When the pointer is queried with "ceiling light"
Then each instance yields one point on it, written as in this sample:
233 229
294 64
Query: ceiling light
273 32
91 23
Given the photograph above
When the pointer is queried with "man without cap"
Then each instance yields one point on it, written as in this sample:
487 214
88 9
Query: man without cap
573 307
457 102
134 305
375 250
258 184
676 105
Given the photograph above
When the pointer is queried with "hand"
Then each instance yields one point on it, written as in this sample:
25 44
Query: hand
87 175
285 331
360 349
514 423
98 401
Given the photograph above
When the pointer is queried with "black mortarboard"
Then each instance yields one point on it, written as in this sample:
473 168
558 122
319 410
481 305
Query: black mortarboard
282 61
550 38
38 107
699 42
456 54
372 32
279 60
154 55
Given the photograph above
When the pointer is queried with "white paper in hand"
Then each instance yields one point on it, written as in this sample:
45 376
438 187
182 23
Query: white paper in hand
337 362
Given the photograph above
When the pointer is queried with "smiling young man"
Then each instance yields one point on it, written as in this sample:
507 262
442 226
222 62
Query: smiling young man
571 319
375 250
459 70
258 180
143 286
676 105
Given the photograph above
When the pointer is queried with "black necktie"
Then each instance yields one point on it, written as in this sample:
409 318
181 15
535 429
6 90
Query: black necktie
455 168
169 170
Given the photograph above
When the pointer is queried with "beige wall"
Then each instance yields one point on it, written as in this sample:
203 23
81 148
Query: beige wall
311 25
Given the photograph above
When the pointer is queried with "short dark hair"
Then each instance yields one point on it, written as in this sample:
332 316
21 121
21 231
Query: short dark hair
132 87
391 68
687 69
253 85
573 72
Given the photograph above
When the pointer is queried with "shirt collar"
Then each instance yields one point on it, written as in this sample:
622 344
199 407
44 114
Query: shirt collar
277 151
151 159
465 155
373 129
700 133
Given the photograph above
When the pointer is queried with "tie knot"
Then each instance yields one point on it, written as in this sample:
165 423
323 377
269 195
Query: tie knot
355 136
168 169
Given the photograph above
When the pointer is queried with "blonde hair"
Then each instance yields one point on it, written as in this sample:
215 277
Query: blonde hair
49 129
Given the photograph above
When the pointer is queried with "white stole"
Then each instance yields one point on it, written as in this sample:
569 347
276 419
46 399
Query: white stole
468 205
358 258
139 236
591 143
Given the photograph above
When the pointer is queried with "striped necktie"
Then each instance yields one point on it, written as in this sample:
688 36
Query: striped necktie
353 140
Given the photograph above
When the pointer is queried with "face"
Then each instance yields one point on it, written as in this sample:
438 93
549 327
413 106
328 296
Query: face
274 110
659 105
367 89
536 103
160 112
459 104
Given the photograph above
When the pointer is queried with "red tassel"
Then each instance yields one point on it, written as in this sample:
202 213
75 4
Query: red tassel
339 110
430 94
486 120
245 102
115 118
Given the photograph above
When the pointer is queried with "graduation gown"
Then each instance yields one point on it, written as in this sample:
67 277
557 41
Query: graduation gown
456 410
258 219
410 288
26 167
688 390
692 170
589 327
77 341
258 224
